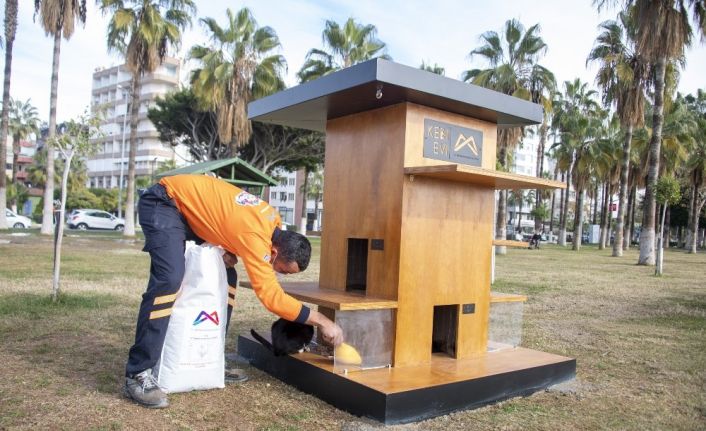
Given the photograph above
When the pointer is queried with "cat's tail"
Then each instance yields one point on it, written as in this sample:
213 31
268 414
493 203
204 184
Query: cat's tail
262 340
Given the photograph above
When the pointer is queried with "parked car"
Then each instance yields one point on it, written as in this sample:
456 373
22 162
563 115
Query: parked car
83 219
17 221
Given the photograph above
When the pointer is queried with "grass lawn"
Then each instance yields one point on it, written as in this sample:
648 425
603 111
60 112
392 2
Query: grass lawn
639 341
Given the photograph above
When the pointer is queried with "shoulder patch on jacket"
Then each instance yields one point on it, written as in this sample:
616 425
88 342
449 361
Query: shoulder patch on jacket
246 199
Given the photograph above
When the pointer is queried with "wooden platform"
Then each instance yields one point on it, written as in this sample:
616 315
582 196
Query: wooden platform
406 394
311 293
483 177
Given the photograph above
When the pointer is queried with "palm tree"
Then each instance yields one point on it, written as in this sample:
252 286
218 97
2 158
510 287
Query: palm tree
663 32
315 191
10 31
696 169
579 120
513 69
621 76
240 66
435 68
344 46
24 121
58 18
142 31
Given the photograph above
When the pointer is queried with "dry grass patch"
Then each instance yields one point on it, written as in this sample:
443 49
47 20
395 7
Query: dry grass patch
639 340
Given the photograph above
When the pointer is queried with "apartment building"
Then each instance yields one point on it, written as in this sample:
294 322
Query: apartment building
288 198
111 93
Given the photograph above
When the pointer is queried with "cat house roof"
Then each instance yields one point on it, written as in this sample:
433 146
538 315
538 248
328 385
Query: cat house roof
378 83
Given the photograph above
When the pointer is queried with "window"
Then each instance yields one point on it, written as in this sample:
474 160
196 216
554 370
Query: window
283 182
273 196
283 196
291 196
291 181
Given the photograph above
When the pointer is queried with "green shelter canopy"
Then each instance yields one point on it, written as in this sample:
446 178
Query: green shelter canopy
233 170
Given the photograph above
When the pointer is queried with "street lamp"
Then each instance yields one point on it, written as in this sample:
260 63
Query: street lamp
122 153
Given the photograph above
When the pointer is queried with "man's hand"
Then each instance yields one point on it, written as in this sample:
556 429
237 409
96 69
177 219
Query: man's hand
330 332
229 259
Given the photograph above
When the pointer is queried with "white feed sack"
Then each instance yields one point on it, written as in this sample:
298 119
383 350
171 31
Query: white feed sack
193 352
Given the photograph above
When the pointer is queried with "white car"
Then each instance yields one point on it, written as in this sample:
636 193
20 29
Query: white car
17 221
83 219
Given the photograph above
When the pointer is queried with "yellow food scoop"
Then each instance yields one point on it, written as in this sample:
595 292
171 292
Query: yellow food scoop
347 354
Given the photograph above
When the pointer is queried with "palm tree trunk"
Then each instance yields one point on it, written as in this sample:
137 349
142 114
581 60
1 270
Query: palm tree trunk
668 233
540 168
595 204
692 202
622 196
55 291
501 227
305 192
130 195
551 212
519 212
647 234
578 219
15 156
630 227
605 217
694 227
10 31
564 211
48 210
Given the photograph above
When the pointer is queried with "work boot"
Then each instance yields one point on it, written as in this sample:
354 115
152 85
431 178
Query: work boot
143 389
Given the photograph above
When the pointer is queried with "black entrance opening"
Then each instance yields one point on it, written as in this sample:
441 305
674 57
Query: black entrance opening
443 339
357 271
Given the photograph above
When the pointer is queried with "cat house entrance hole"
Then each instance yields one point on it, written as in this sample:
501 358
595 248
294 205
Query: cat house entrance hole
444 331
357 266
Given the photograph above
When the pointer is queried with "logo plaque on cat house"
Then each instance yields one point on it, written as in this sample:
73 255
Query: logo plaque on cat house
410 180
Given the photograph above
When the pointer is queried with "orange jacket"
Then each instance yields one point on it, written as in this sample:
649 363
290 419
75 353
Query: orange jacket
241 223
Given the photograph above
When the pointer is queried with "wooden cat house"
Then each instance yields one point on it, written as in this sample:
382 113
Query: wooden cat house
407 243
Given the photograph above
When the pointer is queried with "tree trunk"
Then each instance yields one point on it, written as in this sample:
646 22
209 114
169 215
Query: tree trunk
668 232
698 205
632 204
48 210
660 243
10 31
689 222
519 212
578 220
602 234
595 205
317 222
501 227
134 120
551 212
305 191
647 233
605 216
55 291
622 195
15 157
540 169
564 211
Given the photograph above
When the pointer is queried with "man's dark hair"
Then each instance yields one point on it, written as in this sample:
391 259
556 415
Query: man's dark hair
292 247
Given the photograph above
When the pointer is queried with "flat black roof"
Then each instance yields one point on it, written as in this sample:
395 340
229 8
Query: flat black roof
353 90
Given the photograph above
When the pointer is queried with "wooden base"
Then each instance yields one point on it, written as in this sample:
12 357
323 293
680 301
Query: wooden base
408 394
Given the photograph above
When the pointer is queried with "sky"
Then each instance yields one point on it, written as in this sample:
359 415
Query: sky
441 32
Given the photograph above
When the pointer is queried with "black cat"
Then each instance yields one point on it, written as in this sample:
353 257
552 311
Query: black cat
287 337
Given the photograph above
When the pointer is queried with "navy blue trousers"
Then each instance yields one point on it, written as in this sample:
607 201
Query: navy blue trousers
165 231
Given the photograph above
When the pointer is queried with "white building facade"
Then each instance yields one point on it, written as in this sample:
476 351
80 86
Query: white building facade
111 93
288 198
